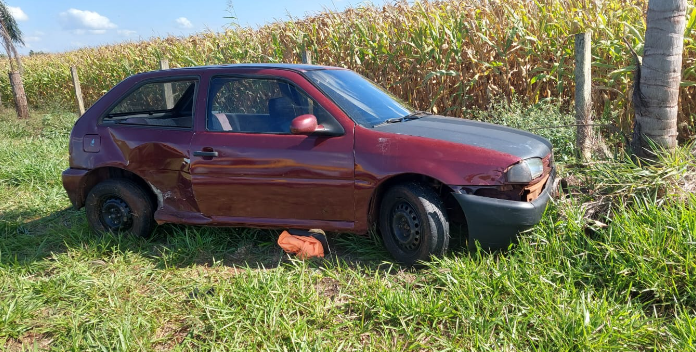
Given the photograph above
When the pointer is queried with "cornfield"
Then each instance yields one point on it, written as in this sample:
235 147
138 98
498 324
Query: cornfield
446 56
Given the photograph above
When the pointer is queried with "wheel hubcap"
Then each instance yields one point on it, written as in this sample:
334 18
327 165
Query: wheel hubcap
116 214
406 226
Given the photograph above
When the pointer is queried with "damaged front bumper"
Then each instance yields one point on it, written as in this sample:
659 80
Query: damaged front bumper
495 223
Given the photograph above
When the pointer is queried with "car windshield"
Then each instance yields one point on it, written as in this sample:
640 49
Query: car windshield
364 101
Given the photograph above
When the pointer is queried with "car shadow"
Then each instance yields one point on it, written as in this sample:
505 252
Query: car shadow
23 242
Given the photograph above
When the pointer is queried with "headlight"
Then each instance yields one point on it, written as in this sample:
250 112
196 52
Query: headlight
525 171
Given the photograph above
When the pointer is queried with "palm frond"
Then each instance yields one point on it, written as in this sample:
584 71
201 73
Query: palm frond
9 24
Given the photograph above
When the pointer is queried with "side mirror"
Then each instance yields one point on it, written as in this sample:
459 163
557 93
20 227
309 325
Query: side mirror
305 124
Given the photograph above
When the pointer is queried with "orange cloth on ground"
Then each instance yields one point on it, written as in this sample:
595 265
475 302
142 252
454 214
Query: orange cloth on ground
303 247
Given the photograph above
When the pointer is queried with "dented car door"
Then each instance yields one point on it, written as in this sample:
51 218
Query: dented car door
247 167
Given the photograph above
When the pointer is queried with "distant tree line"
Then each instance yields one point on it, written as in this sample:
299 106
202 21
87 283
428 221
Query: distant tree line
36 53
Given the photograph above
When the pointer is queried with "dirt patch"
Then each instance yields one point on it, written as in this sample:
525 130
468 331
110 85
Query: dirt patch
689 181
170 335
30 341
328 287
407 277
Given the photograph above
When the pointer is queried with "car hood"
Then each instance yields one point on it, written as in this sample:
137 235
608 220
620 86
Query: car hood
503 139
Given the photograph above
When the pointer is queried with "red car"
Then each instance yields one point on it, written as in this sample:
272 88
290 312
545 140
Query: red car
300 146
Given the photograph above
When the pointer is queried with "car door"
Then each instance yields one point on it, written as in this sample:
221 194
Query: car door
248 168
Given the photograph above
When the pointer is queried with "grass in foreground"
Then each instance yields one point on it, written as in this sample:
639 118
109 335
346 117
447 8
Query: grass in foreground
566 286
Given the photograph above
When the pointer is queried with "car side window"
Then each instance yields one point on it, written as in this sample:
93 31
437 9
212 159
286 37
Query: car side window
160 103
255 105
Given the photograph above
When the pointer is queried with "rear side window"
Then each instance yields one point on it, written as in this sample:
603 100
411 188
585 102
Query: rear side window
160 103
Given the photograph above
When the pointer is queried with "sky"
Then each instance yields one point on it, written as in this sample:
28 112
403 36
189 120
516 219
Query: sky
58 26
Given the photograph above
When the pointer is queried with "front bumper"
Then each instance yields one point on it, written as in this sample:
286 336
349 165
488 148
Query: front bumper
495 223
72 182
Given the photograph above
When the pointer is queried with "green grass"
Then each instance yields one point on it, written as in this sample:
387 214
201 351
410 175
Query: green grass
568 284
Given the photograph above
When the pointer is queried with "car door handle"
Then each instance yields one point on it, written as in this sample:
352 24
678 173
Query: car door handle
206 153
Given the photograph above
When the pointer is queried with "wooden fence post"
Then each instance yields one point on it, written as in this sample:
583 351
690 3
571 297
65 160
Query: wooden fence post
168 95
583 94
78 90
307 57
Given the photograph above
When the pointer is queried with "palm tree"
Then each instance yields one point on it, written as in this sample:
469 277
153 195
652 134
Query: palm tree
11 35
656 94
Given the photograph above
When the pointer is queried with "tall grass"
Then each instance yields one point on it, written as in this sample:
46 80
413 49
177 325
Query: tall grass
441 55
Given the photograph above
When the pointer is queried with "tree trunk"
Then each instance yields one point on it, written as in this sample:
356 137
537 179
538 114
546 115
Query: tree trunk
656 96
19 96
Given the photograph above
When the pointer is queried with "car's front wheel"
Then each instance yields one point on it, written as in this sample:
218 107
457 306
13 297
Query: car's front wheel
413 223
120 206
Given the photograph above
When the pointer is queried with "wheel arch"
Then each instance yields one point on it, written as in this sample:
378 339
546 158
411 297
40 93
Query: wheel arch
443 190
94 177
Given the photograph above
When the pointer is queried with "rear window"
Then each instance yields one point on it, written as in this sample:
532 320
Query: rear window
160 103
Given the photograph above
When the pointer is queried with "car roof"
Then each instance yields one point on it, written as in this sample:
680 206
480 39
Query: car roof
250 66
291 67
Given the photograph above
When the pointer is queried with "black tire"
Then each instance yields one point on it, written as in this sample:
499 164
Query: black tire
413 223
120 206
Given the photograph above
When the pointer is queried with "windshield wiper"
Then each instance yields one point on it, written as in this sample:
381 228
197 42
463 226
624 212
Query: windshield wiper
392 120
412 116
415 115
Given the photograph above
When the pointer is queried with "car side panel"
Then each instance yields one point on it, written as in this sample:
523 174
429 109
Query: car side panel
380 156
159 155
275 176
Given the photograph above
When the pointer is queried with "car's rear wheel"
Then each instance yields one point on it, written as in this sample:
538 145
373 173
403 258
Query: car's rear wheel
413 223
120 206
